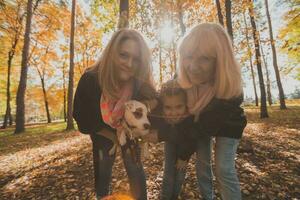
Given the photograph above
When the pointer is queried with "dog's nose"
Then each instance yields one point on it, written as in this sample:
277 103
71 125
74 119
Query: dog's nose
147 126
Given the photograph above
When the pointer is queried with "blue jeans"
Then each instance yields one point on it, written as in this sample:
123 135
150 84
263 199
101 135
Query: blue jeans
173 178
225 152
103 164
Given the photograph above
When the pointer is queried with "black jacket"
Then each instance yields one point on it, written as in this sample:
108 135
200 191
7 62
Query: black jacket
182 134
224 118
86 110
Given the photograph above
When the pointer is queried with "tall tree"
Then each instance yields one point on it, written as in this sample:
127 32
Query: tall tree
263 105
250 61
220 15
70 125
228 18
41 61
20 113
275 64
64 91
180 17
13 16
124 14
269 94
289 35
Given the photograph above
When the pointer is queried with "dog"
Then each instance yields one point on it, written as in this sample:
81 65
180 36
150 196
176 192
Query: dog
135 125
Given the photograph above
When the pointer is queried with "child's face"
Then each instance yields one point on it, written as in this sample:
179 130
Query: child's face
128 59
174 108
200 68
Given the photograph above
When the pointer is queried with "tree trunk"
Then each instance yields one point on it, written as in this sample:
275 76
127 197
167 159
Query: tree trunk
20 113
220 15
180 17
250 60
8 116
281 93
124 14
174 58
160 64
46 100
228 18
269 94
263 104
70 125
64 90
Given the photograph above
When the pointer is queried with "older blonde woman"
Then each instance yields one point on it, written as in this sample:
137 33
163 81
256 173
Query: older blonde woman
122 73
211 76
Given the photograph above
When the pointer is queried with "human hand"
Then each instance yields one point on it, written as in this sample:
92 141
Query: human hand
151 137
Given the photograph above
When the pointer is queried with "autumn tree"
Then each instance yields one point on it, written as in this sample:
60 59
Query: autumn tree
20 113
12 17
289 35
220 15
70 124
263 105
228 18
275 64
123 14
249 51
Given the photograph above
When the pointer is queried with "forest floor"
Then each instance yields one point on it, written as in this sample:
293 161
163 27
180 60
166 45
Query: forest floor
46 162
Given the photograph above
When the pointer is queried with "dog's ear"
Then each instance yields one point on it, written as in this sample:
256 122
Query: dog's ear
130 105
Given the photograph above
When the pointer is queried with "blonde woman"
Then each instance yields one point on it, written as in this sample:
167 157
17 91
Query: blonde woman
211 76
122 73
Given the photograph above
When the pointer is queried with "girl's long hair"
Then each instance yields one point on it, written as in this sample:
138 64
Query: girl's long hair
107 70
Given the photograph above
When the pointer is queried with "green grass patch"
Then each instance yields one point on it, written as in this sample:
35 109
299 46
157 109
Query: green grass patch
34 136
34 129
289 118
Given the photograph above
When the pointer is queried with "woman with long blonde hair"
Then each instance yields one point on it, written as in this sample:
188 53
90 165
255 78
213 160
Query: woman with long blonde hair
209 73
123 72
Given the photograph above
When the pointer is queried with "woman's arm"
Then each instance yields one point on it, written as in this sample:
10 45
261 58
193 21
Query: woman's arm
225 118
86 111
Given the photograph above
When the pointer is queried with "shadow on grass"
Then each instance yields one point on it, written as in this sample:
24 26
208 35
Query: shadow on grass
35 136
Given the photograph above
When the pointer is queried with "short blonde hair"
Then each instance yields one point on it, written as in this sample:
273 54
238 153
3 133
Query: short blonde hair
106 68
213 41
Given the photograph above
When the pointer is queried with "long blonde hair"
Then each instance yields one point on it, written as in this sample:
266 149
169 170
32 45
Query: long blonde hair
213 41
105 66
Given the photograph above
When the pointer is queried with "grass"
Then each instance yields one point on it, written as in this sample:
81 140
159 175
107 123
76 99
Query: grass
34 136
289 118
34 129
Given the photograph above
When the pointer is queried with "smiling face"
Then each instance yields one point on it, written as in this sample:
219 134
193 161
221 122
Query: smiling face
200 68
174 107
127 60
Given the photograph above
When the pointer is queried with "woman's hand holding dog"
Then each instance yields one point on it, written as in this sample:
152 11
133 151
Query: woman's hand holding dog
151 137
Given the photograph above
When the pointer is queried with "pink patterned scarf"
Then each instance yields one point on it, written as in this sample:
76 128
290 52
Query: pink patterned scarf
112 111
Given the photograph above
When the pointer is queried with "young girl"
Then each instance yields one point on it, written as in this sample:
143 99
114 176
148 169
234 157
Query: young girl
212 79
122 73
175 127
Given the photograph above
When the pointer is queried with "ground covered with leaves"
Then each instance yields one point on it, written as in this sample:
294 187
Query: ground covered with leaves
48 163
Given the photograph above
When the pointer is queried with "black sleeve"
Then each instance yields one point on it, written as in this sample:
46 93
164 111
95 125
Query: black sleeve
166 132
234 124
186 148
86 111
225 118
187 140
209 123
